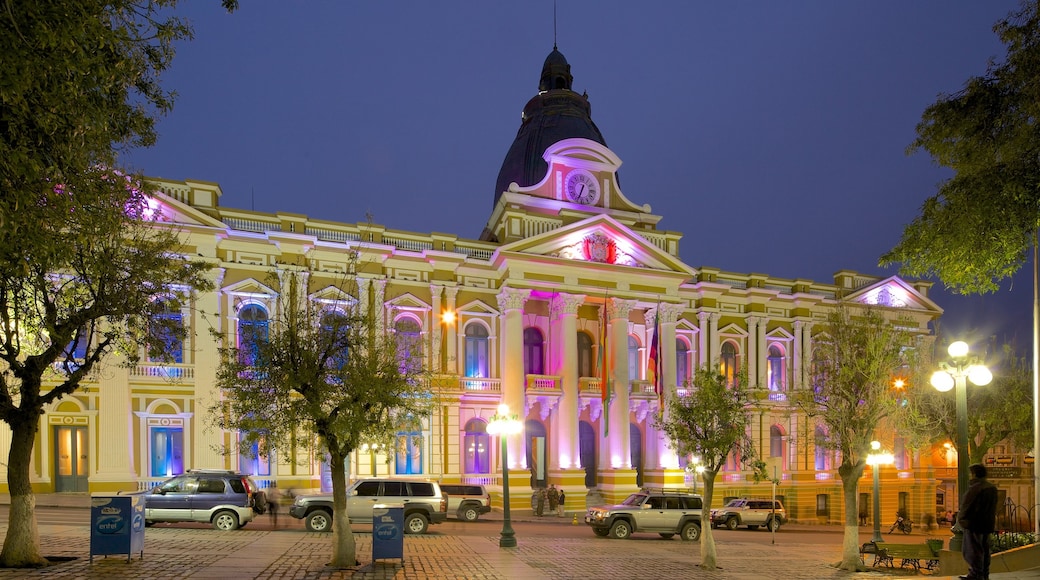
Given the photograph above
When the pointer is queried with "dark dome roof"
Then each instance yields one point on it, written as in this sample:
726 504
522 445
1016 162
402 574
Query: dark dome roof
554 114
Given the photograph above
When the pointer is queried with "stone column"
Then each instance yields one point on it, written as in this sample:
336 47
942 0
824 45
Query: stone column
619 444
437 329
666 456
714 340
115 461
754 370
761 351
204 437
451 365
379 306
703 356
511 348
796 356
563 362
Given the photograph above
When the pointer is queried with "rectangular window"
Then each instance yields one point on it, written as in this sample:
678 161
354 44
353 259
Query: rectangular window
167 456
823 507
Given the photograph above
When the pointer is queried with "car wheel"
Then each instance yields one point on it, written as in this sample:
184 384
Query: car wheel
773 524
731 523
691 532
601 532
469 514
225 521
621 530
319 521
415 524
666 536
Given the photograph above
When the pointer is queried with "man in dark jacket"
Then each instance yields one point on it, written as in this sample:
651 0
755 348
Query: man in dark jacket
978 517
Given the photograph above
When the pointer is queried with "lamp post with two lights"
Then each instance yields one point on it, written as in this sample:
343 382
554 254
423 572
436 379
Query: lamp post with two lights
503 424
955 374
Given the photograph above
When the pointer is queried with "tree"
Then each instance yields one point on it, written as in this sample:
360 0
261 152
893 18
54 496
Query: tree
94 277
324 370
852 369
976 230
996 412
711 421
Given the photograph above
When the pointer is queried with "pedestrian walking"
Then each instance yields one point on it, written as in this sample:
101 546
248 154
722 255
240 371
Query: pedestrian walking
553 495
977 515
559 504
274 500
540 502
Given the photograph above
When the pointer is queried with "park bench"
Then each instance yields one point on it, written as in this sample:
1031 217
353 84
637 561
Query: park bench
909 555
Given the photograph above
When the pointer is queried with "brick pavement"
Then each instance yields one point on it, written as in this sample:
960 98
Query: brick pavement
293 554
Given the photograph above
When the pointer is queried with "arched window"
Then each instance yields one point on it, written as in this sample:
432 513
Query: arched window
775 369
252 331
408 455
476 445
534 352
776 441
166 329
409 344
476 350
728 363
682 362
633 359
585 355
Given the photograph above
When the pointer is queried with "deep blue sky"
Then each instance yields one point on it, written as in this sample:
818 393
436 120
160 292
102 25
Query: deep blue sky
772 134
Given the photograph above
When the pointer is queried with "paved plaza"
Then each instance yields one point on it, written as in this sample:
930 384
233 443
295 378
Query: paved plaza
295 554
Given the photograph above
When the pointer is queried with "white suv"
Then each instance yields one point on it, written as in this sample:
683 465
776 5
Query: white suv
751 513
424 504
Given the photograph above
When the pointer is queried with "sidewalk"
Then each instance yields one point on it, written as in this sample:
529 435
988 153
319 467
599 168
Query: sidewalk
294 554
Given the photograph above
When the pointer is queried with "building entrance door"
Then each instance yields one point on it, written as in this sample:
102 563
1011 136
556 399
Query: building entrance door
70 458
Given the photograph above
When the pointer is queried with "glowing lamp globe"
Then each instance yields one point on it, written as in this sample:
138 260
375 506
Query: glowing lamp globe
958 349
942 381
979 375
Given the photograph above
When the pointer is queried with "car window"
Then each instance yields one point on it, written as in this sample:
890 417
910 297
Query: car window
179 485
211 486
368 488
634 499
672 503
237 485
693 503
656 503
393 488
421 489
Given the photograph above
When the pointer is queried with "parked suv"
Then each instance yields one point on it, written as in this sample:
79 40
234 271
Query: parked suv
467 501
665 511
423 501
751 513
220 497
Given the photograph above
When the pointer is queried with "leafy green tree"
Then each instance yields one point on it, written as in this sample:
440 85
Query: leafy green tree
711 422
93 277
977 229
324 370
999 411
853 364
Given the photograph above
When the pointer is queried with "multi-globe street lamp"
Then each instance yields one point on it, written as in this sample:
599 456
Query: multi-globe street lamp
504 424
955 374
876 458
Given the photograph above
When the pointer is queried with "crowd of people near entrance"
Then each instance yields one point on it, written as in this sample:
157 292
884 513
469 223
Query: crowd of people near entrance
552 496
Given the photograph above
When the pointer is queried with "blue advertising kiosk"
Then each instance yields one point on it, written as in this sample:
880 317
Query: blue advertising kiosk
387 531
116 524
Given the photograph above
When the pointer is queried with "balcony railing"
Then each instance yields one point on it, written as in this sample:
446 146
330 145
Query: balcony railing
163 371
589 384
543 383
480 384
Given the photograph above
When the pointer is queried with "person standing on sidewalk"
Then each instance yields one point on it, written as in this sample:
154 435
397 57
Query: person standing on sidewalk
274 500
540 502
553 496
978 517
559 504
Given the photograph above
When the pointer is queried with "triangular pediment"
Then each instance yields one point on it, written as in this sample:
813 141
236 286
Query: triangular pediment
408 301
598 239
893 292
333 296
250 287
478 308
170 210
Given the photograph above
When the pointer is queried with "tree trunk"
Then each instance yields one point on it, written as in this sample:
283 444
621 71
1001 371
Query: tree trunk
344 546
22 544
850 474
709 556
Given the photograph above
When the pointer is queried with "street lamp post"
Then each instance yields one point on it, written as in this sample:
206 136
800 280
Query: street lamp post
504 424
876 458
955 374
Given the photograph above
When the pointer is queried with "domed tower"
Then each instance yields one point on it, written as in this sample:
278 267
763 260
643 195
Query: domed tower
554 114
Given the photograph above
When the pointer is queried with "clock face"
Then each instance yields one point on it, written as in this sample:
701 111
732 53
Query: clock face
581 187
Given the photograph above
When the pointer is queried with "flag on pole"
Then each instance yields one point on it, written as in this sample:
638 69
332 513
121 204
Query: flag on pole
604 368
653 365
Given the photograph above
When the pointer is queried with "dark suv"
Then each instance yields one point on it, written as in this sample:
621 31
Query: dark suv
424 504
222 498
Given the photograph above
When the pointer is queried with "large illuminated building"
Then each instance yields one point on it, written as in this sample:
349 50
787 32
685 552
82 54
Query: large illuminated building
515 316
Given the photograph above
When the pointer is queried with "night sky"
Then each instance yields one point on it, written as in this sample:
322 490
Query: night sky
771 134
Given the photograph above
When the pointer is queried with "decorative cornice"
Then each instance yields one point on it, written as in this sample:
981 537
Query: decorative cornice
512 298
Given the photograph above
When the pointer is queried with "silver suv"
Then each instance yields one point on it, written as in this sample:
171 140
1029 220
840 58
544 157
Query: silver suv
424 504
467 501
751 513
664 511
